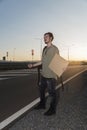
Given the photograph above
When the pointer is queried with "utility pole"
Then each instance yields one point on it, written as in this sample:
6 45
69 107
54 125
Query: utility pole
40 39
32 53
68 49
7 55
14 54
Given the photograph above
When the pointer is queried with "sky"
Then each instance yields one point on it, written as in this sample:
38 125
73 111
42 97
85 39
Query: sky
24 22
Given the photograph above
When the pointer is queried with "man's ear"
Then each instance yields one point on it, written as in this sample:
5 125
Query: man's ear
51 38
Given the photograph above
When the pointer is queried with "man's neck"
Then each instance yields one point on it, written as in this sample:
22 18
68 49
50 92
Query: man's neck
49 44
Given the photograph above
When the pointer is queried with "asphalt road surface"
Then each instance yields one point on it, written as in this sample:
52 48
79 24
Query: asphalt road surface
18 89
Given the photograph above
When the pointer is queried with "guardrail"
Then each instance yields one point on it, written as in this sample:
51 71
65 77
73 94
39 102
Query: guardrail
12 65
9 65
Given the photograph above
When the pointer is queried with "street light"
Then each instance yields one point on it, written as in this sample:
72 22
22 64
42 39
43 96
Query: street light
40 39
14 54
32 53
68 54
7 55
68 49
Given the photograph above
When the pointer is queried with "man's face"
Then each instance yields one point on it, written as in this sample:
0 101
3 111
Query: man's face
47 38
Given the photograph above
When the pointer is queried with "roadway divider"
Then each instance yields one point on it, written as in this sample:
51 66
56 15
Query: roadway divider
13 65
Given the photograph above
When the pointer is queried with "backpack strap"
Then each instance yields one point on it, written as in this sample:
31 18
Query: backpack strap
61 80
44 48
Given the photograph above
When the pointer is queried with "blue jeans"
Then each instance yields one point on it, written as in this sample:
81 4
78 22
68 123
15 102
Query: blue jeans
50 84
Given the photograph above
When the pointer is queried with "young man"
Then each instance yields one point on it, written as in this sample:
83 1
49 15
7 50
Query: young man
48 77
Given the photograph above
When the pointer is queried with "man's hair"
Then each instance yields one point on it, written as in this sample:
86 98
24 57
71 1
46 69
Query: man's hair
50 35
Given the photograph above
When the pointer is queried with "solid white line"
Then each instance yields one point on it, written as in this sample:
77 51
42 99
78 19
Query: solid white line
19 74
18 114
71 78
14 75
26 108
3 78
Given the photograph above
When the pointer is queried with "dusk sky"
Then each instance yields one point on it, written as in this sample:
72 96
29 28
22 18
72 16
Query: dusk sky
24 22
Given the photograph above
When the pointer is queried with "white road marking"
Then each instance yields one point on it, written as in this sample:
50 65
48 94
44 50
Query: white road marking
72 77
18 71
8 75
18 114
29 106
15 73
3 78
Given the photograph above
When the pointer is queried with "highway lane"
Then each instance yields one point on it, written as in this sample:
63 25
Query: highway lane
71 110
14 73
17 92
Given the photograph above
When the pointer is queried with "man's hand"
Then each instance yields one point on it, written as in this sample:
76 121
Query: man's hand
30 66
34 65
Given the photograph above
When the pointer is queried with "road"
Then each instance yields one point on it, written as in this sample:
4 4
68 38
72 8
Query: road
71 111
18 89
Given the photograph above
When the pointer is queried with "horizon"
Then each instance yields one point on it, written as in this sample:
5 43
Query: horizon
23 24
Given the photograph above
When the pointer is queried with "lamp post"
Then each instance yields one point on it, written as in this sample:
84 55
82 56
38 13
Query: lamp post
68 53
40 39
68 49
7 55
14 54
32 53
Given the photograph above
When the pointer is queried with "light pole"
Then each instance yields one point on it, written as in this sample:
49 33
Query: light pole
14 54
40 39
32 53
7 55
68 49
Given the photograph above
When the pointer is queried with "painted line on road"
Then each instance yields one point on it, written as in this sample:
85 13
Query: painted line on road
3 78
66 81
13 117
12 76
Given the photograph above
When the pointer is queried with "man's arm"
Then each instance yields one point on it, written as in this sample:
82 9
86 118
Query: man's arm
35 65
57 51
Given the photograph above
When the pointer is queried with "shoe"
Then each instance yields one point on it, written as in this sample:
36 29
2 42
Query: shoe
39 106
50 112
